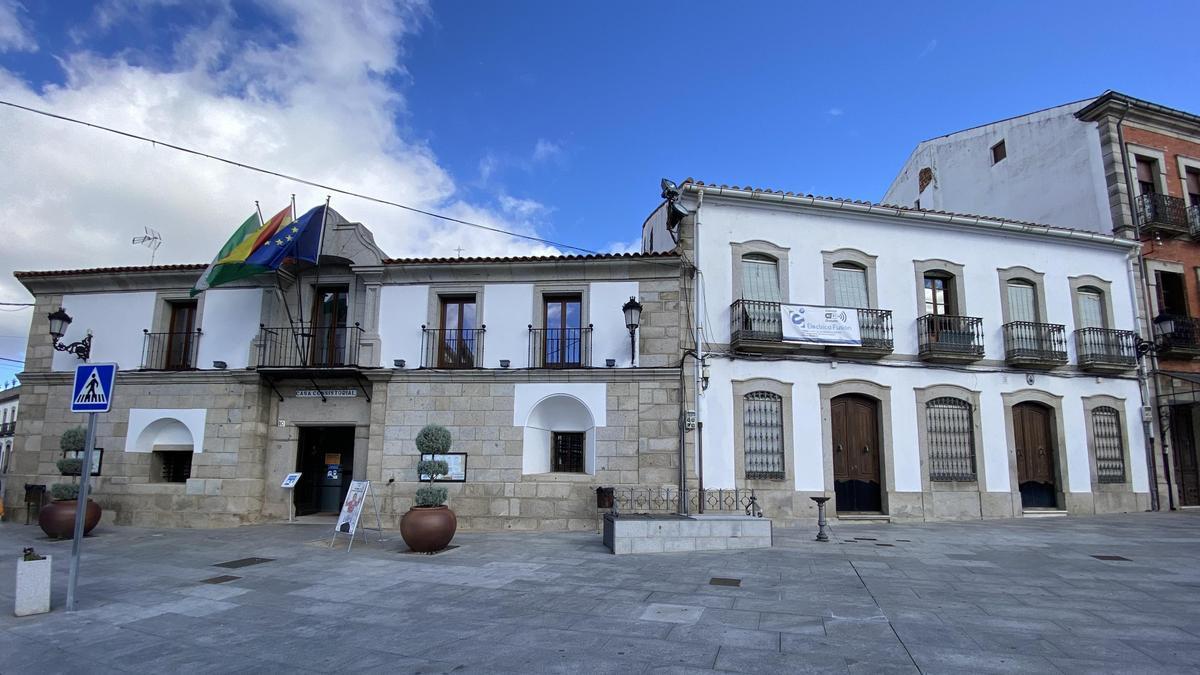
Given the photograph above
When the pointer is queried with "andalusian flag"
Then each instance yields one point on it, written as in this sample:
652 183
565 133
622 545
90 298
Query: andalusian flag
230 262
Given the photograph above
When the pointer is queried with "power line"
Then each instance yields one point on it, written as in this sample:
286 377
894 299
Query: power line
303 181
5 358
16 304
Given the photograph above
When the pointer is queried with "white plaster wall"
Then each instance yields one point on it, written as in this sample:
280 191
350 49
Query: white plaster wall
594 395
507 313
165 426
1053 173
808 451
807 233
230 323
556 413
116 320
610 337
402 310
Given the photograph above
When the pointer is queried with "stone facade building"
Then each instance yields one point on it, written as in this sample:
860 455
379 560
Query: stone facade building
331 371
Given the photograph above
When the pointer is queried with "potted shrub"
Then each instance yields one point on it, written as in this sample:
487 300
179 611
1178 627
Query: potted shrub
430 525
57 519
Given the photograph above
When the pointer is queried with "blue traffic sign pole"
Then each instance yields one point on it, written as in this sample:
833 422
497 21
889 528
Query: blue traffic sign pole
85 475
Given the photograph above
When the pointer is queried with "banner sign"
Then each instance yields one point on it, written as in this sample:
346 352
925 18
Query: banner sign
820 325
329 393
352 507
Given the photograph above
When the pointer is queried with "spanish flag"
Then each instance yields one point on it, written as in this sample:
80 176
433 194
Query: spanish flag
230 262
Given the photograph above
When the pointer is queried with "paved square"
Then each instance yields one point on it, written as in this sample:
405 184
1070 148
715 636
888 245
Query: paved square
1030 595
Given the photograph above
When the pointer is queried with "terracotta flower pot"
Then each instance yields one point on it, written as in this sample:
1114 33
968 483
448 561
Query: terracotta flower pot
427 529
57 519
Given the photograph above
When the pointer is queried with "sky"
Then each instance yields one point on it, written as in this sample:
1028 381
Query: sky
551 119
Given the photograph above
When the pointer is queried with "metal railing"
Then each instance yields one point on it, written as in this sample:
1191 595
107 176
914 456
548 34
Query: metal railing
1032 341
666 500
1163 212
1105 346
8 428
308 346
560 347
761 320
875 328
452 347
170 351
940 334
1178 333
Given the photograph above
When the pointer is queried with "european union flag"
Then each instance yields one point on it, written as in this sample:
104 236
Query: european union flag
301 240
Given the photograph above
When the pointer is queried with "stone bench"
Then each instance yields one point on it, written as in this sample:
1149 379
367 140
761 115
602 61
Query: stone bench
639 533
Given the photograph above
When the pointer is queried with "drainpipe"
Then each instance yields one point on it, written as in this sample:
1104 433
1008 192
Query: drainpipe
1150 380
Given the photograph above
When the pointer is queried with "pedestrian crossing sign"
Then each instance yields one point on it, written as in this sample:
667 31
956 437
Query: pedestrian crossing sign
93 388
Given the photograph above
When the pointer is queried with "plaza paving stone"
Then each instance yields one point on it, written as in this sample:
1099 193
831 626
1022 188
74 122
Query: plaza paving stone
995 596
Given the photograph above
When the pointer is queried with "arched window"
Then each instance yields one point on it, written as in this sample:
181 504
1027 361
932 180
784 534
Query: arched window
950 432
1091 307
1110 450
762 424
850 285
1022 301
760 277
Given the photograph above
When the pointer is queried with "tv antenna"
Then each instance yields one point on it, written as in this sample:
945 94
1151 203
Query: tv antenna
151 240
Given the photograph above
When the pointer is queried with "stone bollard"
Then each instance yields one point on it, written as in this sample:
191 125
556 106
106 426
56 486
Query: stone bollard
33 584
822 524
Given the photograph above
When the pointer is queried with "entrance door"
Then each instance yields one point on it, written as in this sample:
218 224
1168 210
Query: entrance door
330 314
325 458
181 335
856 475
1034 441
1183 445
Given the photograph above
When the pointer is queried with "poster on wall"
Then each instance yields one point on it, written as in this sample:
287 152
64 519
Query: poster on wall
97 458
356 496
820 325
457 461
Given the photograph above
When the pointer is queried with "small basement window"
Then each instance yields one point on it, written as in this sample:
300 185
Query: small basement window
171 466
999 152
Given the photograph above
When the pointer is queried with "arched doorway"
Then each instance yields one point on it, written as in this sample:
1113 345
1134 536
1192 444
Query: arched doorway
1033 432
560 437
857 475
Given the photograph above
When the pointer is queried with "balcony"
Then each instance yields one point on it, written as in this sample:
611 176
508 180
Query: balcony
560 347
1035 345
304 346
1162 214
170 351
757 326
452 348
1105 350
1176 337
8 429
949 339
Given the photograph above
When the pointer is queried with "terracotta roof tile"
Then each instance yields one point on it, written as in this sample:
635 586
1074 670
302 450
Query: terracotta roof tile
112 270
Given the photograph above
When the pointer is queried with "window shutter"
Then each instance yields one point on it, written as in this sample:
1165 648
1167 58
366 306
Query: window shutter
1022 302
850 287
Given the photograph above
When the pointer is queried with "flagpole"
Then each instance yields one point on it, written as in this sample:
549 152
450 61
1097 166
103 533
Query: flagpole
261 220
321 241
299 293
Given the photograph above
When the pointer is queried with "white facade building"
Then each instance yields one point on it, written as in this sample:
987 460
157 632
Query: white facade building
994 374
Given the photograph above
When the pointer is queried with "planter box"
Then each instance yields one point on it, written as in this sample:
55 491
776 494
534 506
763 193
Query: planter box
33 586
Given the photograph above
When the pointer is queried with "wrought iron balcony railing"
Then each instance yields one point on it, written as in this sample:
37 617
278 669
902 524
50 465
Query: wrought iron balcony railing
761 321
8 428
949 338
1105 349
1028 343
308 346
170 351
452 347
1162 212
560 347
1177 336
639 499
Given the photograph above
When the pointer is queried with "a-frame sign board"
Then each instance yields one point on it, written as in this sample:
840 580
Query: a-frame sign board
347 523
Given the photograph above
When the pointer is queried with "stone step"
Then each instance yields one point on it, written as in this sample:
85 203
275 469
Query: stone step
1044 513
864 518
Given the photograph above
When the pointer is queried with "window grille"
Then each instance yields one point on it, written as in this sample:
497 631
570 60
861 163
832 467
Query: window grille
1110 451
568 451
175 466
762 421
950 432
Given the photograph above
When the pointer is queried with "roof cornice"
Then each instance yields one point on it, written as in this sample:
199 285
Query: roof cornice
1116 104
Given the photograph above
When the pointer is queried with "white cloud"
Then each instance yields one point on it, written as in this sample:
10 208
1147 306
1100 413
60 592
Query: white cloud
522 208
317 106
15 35
632 246
835 112
929 47
545 150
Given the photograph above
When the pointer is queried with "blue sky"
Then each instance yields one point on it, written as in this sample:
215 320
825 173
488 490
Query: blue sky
556 119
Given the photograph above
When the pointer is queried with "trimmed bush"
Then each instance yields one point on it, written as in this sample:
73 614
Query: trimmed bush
428 495
433 440
62 491
73 439
433 468
69 466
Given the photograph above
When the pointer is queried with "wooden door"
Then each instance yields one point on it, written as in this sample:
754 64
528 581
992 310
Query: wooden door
456 349
856 463
331 311
1036 455
181 335
1183 447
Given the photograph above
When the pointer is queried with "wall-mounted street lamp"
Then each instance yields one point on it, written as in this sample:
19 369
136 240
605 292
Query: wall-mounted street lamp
59 321
633 318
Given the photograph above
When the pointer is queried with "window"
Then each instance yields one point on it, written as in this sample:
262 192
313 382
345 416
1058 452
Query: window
1091 308
181 335
1192 179
330 313
950 432
567 451
850 286
760 278
999 152
456 348
939 294
1172 295
1110 450
171 466
562 339
762 423
1147 173
1022 301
